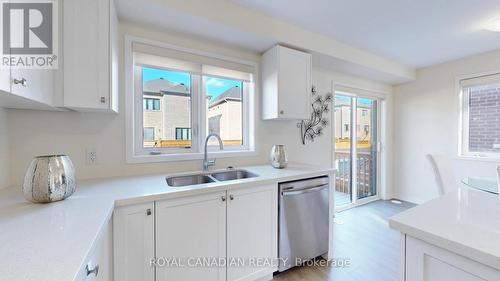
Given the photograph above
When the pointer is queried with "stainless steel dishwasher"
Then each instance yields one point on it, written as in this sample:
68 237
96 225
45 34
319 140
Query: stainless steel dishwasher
303 220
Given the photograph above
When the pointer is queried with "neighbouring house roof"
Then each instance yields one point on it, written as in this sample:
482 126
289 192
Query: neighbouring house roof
233 94
163 86
342 103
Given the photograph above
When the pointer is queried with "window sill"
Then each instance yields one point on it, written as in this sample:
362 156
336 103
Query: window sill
134 159
479 158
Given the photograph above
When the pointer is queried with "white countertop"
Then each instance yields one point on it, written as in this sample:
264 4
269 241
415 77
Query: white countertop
45 242
466 222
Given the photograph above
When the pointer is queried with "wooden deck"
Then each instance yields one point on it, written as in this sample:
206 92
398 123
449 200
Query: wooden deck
342 198
363 236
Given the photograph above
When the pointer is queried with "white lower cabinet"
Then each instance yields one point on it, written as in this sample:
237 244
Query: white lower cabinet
199 237
133 234
425 262
252 231
189 228
98 265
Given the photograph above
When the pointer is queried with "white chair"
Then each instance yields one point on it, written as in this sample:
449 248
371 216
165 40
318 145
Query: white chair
498 177
437 174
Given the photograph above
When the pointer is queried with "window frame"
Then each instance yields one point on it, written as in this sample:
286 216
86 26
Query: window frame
136 153
463 126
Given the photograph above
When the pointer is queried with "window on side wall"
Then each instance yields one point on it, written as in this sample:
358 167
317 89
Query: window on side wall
179 99
480 110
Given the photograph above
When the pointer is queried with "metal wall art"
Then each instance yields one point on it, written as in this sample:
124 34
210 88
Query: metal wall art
313 127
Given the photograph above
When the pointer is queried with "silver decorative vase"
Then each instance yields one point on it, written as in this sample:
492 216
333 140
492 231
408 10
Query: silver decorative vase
49 178
279 159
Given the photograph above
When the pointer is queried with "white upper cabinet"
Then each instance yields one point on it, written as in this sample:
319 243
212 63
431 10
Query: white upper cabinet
5 81
90 55
24 87
87 75
35 85
286 84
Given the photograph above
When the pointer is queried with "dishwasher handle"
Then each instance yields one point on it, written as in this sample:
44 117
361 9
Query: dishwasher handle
303 190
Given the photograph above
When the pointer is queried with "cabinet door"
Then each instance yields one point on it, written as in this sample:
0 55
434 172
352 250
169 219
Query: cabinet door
86 54
5 75
5 80
294 88
133 232
187 229
99 259
33 88
425 262
39 85
252 216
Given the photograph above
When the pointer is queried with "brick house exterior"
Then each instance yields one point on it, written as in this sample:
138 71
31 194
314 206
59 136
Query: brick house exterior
484 119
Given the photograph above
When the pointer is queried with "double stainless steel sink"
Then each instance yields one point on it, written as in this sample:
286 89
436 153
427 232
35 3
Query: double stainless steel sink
201 178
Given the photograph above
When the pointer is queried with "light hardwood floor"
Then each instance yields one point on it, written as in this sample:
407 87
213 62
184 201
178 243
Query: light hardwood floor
363 236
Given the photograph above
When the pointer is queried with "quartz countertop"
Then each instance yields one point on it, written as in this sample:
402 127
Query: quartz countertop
465 222
45 242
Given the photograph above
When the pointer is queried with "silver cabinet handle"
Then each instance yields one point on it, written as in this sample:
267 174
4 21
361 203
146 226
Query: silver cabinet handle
231 197
94 270
102 100
223 198
148 212
23 82
282 112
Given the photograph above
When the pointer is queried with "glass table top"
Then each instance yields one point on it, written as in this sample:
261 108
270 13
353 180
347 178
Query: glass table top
485 184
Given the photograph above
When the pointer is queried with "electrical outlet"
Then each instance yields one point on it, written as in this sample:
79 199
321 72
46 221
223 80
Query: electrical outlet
91 157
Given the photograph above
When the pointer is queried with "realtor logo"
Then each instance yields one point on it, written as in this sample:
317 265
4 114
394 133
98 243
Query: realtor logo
29 34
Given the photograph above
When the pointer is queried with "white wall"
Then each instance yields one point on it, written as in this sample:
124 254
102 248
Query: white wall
4 150
426 121
37 132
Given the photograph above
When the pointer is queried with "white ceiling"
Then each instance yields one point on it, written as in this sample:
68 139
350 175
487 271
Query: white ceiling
417 33
153 13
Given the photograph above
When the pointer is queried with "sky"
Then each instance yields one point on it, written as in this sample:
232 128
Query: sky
215 86
347 99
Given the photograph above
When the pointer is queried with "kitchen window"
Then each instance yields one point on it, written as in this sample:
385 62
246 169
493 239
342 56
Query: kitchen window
184 96
480 116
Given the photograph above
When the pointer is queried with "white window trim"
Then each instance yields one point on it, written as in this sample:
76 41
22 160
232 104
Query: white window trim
196 152
463 123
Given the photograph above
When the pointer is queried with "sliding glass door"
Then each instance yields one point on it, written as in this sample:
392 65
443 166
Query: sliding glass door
366 148
343 149
356 153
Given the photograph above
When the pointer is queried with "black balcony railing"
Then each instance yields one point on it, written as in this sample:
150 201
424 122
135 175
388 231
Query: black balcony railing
365 186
